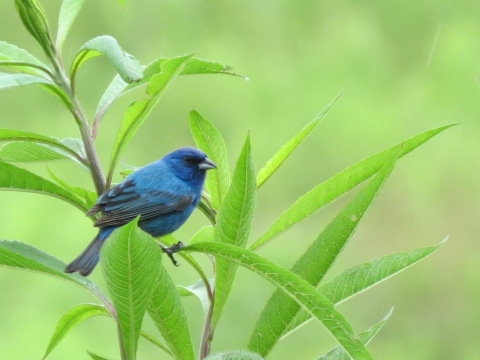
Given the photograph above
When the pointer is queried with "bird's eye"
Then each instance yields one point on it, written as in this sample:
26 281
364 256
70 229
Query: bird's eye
188 159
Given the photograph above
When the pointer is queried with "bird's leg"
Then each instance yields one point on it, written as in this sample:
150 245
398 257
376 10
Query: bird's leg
172 250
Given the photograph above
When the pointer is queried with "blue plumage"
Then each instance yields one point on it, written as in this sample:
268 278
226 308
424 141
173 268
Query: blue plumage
163 193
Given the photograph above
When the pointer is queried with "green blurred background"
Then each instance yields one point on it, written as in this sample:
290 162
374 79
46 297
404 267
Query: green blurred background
404 67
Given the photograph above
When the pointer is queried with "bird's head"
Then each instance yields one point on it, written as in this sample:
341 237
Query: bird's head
189 163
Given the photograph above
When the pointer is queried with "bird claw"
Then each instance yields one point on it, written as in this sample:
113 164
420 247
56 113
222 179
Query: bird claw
172 250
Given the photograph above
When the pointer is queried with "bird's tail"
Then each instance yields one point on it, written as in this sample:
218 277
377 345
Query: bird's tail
88 259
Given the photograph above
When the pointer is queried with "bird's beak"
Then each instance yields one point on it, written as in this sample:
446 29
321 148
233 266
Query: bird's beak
207 164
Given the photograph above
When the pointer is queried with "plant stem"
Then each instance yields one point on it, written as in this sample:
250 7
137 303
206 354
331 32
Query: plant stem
207 334
76 110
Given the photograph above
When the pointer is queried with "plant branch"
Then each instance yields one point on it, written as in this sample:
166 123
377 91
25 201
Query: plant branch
76 110
207 333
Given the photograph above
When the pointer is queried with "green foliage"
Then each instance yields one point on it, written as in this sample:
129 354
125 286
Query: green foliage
233 225
312 266
130 264
296 287
138 283
95 357
339 185
139 110
277 160
68 13
339 354
15 178
19 59
71 319
209 140
126 65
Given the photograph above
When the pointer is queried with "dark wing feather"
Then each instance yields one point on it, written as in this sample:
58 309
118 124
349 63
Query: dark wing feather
123 203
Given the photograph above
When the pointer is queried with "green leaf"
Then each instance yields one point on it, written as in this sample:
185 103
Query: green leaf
90 197
68 147
166 310
14 178
280 310
362 277
71 319
198 289
234 355
68 13
233 225
114 90
296 287
25 257
118 87
11 80
19 59
80 313
21 256
206 208
338 185
126 65
200 66
35 20
14 53
95 357
139 110
209 140
21 151
130 261
277 160
339 354
206 233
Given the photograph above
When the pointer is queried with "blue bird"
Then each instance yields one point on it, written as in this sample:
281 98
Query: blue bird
163 193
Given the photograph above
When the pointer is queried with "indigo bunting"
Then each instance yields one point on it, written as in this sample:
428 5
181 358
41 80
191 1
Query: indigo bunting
163 193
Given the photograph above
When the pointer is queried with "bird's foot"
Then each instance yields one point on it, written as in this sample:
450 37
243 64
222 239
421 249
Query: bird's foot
172 250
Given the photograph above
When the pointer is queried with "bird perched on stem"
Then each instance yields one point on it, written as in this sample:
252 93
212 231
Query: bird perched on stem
163 193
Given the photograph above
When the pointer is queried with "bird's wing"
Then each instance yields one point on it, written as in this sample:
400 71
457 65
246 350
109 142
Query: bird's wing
125 202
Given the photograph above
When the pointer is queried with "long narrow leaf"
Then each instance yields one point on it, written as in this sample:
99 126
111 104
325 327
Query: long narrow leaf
339 354
95 357
118 87
362 277
68 13
139 110
277 160
11 80
17 179
233 225
21 256
200 66
130 260
296 287
280 310
209 140
66 146
25 257
89 197
72 318
126 65
166 310
22 151
338 185
11 53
